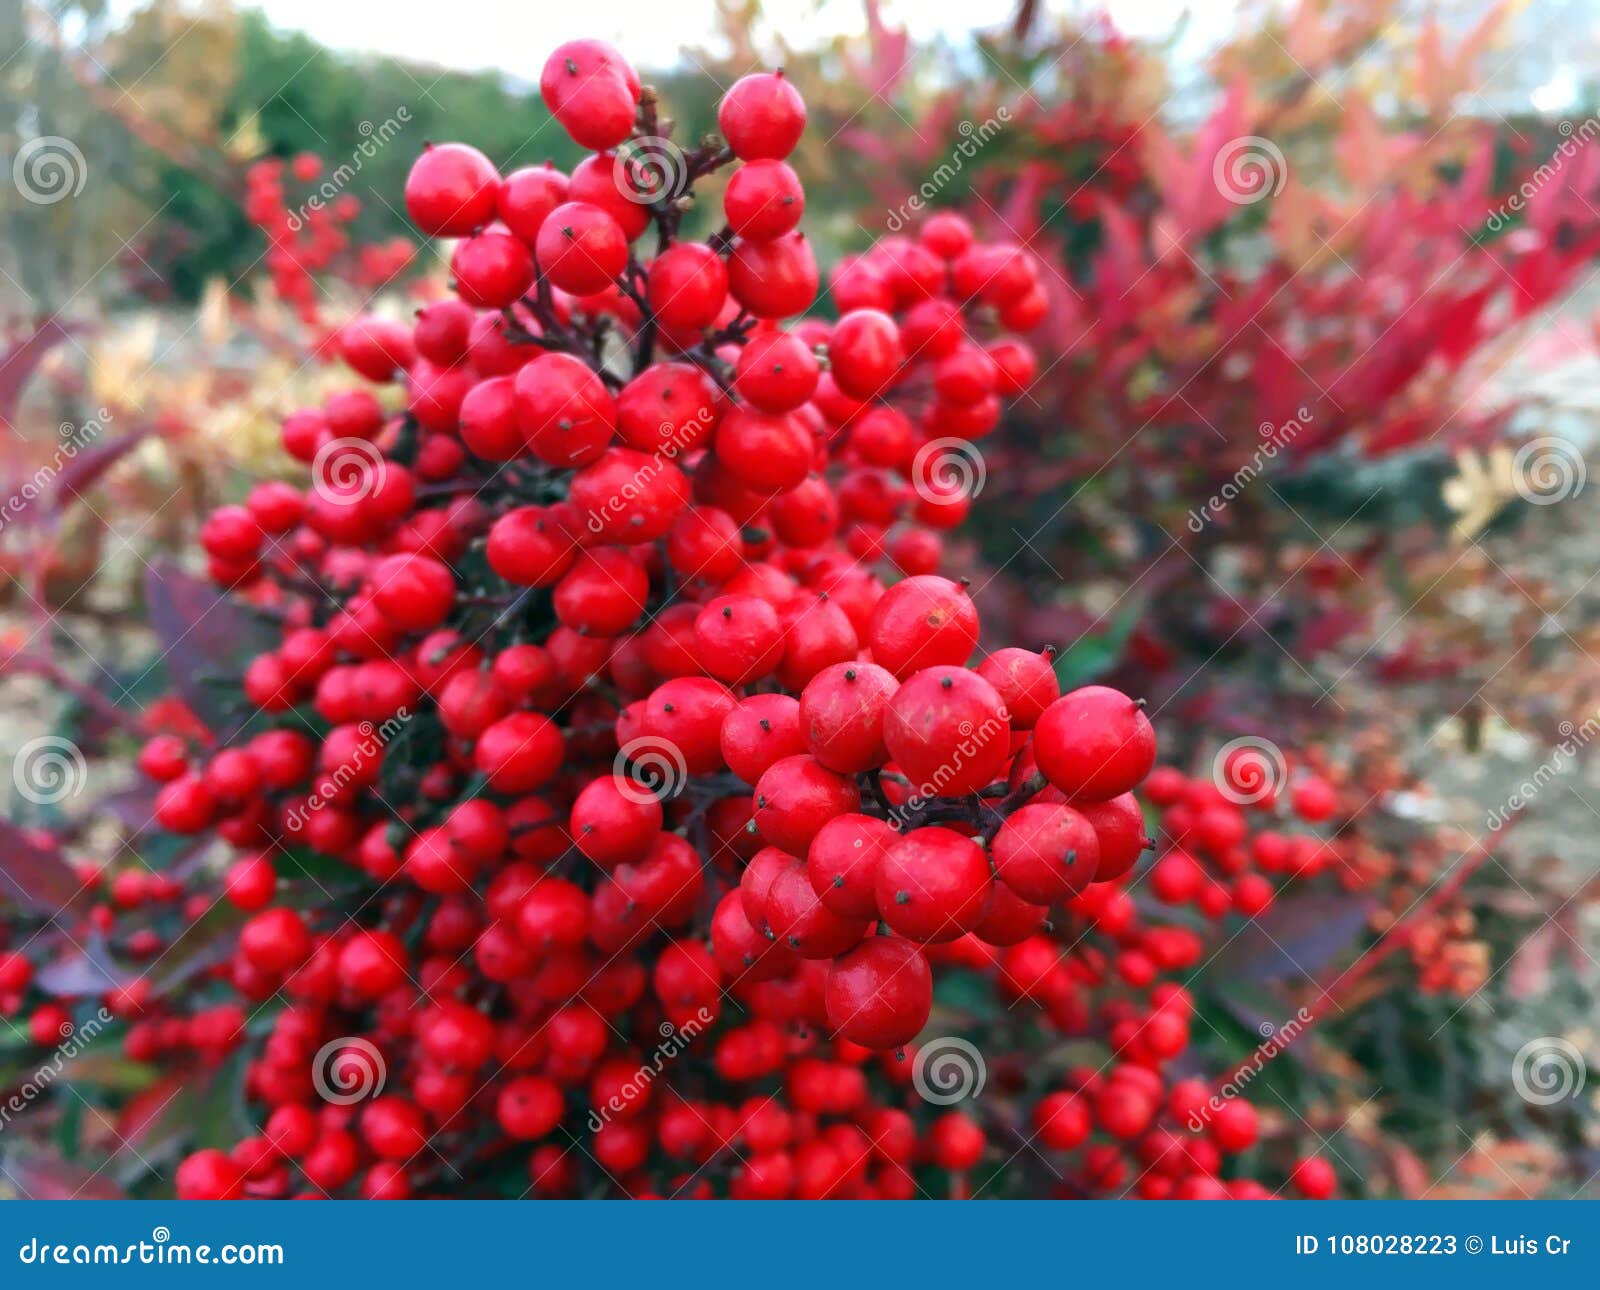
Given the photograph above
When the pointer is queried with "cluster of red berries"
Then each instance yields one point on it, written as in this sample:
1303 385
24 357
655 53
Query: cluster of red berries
312 236
1215 860
614 671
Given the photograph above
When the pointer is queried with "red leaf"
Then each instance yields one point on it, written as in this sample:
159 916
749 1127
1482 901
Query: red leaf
40 881
18 364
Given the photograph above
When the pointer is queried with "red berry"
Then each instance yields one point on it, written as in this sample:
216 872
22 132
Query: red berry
947 730
491 270
581 248
776 372
1026 682
526 196
762 116
842 711
880 993
1094 743
1314 1178
933 885
923 622
842 863
451 190
795 797
592 90
686 286
1046 852
764 200
864 353
773 279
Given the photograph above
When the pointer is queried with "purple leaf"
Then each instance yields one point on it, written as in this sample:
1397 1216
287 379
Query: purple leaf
48 1177
21 360
1299 936
39 881
78 973
85 469
202 634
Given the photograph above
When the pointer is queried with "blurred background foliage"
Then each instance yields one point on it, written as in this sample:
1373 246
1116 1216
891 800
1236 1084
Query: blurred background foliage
1437 609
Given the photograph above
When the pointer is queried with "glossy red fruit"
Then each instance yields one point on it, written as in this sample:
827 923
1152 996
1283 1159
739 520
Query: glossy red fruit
526 196
581 248
763 729
628 497
864 353
1062 1121
799 920
414 592
923 622
762 116
1314 1178
566 413
687 713
686 286
1313 799
1234 1126
842 711
592 91
776 372
1010 919
740 638
764 200
209 1175
933 885
1025 680
520 752
451 190
1119 829
491 270
842 863
603 593
1094 743
670 408
947 730
879 995
795 797
1046 852
776 278
613 822
766 452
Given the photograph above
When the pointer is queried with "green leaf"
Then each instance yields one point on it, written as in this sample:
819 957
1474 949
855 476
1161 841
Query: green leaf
1090 657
